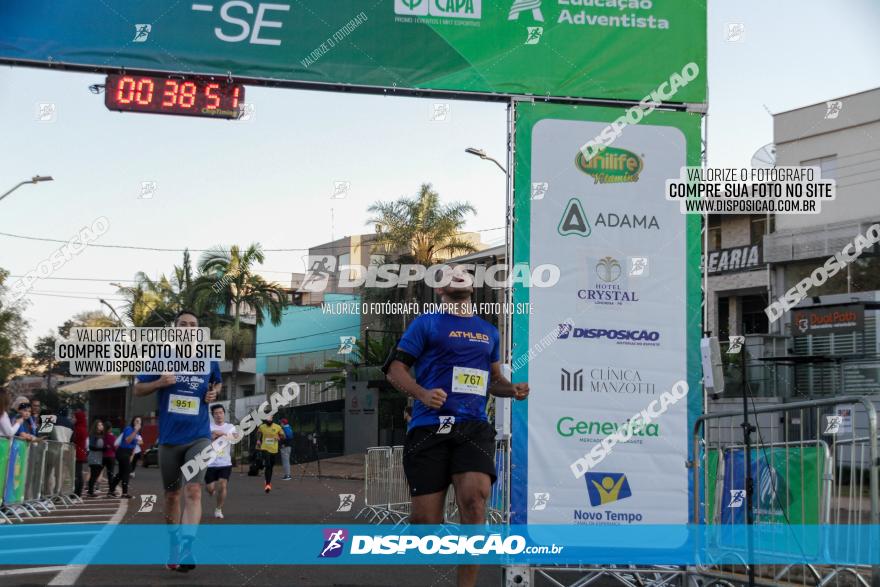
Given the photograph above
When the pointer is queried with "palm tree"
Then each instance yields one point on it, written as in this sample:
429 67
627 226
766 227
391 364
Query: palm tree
362 355
421 226
228 281
148 301
419 230
154 303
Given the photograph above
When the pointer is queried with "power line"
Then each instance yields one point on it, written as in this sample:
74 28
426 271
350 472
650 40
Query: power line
178 250
56 295
349 327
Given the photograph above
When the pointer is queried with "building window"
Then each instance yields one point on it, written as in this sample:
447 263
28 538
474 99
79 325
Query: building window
795 272
754 319
723 318
865 274
759 228
827 165
248 390
345 259
714 232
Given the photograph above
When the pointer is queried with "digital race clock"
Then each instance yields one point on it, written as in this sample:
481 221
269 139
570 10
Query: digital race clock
167 95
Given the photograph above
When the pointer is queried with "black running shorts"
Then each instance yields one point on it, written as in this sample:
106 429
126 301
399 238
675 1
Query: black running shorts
430 459
215 473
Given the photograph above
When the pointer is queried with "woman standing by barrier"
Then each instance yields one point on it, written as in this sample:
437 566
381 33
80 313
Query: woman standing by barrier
96 454
127 443
7 428
109 460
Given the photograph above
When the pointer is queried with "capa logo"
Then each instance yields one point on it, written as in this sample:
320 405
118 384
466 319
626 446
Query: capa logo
446 8
611 165
460 8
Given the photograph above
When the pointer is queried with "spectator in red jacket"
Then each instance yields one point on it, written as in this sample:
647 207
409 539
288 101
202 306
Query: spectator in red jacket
81 442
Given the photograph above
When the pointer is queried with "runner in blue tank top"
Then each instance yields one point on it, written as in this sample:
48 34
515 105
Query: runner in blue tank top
455 360
184 432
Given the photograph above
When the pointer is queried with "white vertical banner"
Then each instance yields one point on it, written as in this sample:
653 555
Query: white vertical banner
619 315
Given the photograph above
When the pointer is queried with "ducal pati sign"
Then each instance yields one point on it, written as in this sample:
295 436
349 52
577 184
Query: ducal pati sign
828 319
732 259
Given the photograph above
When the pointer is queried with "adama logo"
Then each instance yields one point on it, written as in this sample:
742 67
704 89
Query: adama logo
611 165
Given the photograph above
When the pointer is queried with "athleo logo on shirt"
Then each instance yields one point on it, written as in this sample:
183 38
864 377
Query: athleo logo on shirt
474 336
637 337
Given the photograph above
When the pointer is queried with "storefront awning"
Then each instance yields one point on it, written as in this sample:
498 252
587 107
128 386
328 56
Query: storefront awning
94 383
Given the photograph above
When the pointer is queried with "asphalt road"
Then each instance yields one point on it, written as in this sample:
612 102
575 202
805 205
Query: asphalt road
300 501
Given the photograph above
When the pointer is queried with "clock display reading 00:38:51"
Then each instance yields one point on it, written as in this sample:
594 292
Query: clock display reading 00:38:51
164 95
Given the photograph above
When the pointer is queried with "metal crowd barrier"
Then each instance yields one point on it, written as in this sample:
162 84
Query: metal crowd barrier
386 492
35 477
810 465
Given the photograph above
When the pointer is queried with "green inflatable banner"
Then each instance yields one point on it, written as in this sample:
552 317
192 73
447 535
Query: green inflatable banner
788 484
4 461
602 49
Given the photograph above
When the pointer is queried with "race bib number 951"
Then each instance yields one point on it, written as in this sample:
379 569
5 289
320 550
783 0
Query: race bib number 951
467 380
183 404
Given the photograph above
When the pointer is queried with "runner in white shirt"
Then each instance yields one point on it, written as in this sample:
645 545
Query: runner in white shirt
219 469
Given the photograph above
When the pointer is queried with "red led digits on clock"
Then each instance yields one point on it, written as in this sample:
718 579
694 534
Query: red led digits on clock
170 94
214 98
187 95
178 95
140 91
128 95
144 93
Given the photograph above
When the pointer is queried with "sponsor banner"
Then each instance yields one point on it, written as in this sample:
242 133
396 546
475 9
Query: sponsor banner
261 544
5 447
842 319
787 481
16 472
625 312
515 47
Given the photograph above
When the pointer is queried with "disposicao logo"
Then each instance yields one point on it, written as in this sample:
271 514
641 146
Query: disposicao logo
611 165
605 488
334 542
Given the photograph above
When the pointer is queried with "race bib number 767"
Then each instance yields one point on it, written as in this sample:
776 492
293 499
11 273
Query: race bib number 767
467 380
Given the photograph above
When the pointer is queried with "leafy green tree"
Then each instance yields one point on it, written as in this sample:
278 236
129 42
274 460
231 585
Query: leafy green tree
43 356
12 332
229 282
87 319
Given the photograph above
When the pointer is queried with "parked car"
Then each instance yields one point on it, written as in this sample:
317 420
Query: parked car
150 457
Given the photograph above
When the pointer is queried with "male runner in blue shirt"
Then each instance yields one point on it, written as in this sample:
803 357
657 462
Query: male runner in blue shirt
184 431
449 440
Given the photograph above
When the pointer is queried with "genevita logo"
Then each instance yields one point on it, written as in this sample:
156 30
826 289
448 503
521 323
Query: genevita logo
469 9
591 430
